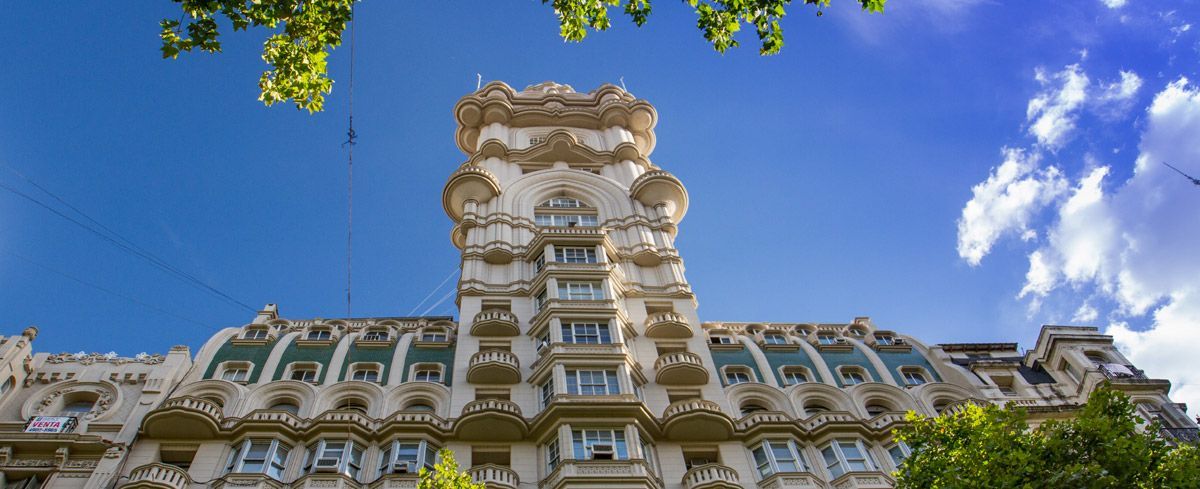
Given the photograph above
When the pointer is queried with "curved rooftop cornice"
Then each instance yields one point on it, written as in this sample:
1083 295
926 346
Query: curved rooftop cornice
552 104
560 145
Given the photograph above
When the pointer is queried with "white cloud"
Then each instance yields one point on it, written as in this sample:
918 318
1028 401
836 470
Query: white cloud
1114 4
1005 203
1085 314
1052 113
1136 244
1114 99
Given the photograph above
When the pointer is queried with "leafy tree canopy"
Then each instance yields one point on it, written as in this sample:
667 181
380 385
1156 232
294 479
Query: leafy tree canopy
303 32
1105 446
446 475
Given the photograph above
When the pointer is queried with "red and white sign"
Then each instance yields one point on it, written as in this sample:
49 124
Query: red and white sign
50 424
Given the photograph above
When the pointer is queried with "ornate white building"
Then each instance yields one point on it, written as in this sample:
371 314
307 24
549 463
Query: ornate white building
579 360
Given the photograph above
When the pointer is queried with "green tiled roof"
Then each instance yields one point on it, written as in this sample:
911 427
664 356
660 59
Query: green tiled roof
444 356
377 355
256 354
736 357
835 359
316 354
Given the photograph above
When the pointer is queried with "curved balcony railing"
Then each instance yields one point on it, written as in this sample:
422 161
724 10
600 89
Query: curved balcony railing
494 367
159 475
195 404
668 325
710 476
494 476
495 322
482 405
680 367
690 406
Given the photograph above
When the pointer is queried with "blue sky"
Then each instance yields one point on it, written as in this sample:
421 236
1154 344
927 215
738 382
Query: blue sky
930 167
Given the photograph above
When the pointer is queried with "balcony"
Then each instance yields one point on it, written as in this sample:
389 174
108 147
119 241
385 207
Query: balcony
696 420
158 476
491 420
711 476
792 480
668 325
680 368
495 322
601 473
1116 371
494 476
862 480
184 417
494 367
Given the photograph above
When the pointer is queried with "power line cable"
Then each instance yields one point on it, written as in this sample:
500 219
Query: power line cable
433 291
124 244
103 289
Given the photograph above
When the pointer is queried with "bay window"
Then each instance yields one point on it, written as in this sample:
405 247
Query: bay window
407 457
899 452
602 444
334 456
563 254
774 456
845 455
259 457
586 333
592 382
580 291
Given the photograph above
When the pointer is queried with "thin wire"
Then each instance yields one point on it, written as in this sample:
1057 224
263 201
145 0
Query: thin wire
350 142
433 291
130 248
103 289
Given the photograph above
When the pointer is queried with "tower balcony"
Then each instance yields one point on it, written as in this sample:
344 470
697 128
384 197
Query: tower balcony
495 322
468 183
668 325
184 417
680 368
158 476
494 476
601 473
696 420
711 476
494 367
491 420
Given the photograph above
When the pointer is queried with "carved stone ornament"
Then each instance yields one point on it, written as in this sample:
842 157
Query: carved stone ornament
111 357
104 400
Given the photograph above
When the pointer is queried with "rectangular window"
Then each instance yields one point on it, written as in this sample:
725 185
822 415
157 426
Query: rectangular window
736 376
580 291
366 375
304 375
547 392
853 377
434 337
793 376
552 456
543 341
884 340
827 339
539 263
843 456
574 255
375 336
236 374
565 220
592 382
255 334
720 340
586 333
899 453
407 457
774 339
599 444
334 456
318 335
774 456
914 377
427 375
539 301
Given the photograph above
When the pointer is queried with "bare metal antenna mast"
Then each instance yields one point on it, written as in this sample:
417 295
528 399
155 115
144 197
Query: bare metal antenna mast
351 138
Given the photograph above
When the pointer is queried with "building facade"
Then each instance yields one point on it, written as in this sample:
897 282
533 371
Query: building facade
579 359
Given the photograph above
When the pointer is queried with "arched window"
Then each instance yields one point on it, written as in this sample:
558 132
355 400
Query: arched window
853 375
793 375
737 374
565 212
914 376
304 372
752 407
285 405
376 334
319 334
420 405
563 202
815 407
876 407
352 404
427 372
78 407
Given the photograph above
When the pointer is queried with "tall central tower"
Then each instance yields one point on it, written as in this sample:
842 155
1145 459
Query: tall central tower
579 330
